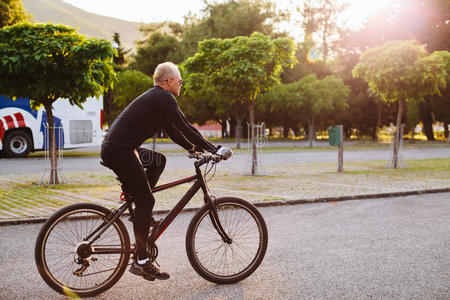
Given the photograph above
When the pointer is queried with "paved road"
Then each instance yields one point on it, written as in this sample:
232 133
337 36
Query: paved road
395 248
78 164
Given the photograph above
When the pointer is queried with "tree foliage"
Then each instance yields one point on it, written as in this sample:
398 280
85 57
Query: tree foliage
320 96
424 20
121 58
111 110
44 62
320 22
304 101
157 48
280 107
305 66
11 12
227 20
402 71
131 83
240 68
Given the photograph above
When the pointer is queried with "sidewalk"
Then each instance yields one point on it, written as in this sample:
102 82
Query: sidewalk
22 199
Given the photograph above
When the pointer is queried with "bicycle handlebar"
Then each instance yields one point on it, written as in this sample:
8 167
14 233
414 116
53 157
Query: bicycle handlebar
205 158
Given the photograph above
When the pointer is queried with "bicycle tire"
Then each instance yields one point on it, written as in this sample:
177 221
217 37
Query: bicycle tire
217 261
59 238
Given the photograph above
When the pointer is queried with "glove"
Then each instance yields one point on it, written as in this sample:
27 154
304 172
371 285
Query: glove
225 152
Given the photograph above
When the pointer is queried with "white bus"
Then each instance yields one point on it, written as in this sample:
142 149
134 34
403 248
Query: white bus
23 129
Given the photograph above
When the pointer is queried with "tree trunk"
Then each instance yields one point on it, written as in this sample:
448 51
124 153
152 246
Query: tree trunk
232 127
251 112
413 133
395 160
223 126
446 131
285 131
375 131
53 151
239 120
324 42
427 119
312 133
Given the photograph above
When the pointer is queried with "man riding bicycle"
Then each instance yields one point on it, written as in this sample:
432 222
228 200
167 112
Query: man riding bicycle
139 168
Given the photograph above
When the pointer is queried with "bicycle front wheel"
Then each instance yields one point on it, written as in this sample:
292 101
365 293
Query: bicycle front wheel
221 262
65 260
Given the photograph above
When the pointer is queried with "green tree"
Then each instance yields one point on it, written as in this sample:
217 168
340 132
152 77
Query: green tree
239 69
425 20
319 96
45 62
306 65
441 108
320 22
131 83
401 71
200 105
412 116
280 107
11 12
366 111
227 20
157 48
120 60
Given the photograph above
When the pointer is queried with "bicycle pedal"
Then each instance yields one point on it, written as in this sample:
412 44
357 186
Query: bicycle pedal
148 278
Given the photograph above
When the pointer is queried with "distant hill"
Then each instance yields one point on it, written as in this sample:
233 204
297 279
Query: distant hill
89 24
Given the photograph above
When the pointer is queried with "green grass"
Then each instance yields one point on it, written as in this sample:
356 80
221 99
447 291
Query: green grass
422 166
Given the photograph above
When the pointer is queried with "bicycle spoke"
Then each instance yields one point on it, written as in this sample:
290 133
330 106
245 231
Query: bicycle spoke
220 258
61 246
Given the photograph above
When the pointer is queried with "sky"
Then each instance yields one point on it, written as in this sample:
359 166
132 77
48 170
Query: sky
148 11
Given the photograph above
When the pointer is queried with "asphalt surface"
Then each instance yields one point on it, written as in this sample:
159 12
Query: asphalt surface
395 248
78 164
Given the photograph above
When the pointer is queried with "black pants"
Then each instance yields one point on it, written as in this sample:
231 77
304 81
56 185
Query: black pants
139 172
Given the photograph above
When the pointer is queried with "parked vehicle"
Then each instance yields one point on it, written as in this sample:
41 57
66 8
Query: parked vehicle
23 129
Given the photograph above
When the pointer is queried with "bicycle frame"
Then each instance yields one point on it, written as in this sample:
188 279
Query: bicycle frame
156 233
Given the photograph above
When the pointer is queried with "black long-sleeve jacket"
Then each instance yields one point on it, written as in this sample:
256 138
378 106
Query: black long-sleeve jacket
150 112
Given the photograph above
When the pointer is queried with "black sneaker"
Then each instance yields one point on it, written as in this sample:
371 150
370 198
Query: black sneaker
148 270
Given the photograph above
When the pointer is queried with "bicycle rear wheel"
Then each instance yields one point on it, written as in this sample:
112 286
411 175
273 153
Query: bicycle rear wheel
65 261
218 261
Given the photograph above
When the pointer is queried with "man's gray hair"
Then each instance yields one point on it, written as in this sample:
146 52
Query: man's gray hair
164 71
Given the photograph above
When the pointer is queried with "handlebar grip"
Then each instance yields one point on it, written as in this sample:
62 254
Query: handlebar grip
207 158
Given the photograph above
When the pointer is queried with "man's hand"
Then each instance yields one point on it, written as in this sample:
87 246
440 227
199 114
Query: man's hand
225 152
195 152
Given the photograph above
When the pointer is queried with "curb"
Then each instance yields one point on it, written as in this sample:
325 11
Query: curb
271 203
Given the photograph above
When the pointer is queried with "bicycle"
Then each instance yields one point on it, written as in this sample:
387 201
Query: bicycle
83 249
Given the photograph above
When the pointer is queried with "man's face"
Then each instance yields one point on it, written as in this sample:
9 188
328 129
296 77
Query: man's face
175 82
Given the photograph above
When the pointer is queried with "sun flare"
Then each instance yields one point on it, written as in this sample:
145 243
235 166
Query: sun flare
359 10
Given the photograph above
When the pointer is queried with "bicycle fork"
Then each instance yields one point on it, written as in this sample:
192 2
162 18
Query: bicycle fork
214 216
